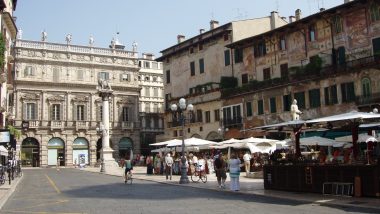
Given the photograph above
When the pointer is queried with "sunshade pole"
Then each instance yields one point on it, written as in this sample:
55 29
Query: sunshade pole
297 134
354 130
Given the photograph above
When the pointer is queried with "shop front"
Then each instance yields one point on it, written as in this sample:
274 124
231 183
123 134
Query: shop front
80 151
30 152
125 147
56 152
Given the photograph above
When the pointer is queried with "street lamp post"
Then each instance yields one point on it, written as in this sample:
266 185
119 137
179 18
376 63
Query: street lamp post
182 118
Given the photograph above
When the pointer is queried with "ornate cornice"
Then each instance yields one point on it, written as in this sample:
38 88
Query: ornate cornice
30 96
56 98
80 98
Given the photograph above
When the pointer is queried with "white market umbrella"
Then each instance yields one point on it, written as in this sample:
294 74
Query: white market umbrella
361 138
346 116
191 142
258 140
316 140
164 143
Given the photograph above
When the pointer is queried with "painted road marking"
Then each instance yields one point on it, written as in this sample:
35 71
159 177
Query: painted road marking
53 184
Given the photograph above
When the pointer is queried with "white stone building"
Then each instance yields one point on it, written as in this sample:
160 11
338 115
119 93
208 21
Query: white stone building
151 100
57 106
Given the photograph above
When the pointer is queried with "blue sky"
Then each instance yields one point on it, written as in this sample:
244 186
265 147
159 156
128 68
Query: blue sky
153 24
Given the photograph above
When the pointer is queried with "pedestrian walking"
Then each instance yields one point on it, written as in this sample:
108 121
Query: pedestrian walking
247 162
220 170
168 166
234 167
149 165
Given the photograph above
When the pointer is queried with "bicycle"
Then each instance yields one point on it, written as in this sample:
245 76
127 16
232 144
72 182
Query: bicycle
128 177
2 175
199 174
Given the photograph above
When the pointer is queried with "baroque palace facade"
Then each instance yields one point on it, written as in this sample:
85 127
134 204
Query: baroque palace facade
57 106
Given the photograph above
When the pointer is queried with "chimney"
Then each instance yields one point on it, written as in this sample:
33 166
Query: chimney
201 31
298 14
180 38
273 20
346 1
292 19
148 56
213 24
321 9
283 18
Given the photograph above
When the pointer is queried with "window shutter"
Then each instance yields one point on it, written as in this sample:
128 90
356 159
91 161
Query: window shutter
24 112
75 117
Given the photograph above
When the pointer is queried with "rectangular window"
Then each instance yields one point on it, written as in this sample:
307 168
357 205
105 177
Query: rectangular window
104 75
348 92
29 71
208 116
168 76
124 113
55 75
260 49
155 92
244 78
338 24
374 12
217 114
31 111
192 68
147 91
124 77
315 98
146 64
80 112
266 73
282 43
227 58
199 116
287 102
56 112
248 106
238 55
300 97
273 108
80 75
284 70
331 95
201 66
101 113
312 33
260 107
200 46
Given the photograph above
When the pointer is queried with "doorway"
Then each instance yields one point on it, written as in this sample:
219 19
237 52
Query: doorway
56 152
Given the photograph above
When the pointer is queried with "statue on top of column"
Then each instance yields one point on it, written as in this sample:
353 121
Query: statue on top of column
104 84
44 36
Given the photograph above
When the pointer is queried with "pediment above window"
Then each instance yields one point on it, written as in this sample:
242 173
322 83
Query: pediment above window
30 97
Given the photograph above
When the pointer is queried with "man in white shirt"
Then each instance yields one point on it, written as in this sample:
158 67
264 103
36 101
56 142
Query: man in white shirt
168 166
247 162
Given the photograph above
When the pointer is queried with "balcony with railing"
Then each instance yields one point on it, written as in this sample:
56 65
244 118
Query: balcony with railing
81 125
302 75
235 122
129 125
75 48
57 124
368 99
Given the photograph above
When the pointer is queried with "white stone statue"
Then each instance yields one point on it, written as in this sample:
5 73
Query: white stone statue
68 38
134 46
113 43
104 85
19 34
294 110
44 36
91 40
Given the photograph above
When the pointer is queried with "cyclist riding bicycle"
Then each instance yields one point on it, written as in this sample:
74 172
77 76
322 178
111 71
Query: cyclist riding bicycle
128 168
